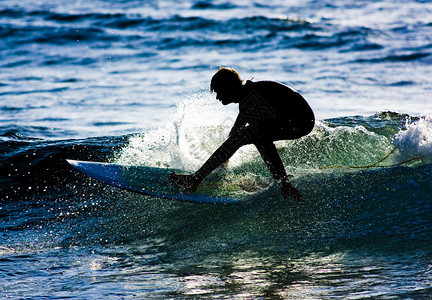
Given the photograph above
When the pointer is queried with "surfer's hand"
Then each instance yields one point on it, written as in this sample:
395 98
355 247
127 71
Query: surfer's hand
289 190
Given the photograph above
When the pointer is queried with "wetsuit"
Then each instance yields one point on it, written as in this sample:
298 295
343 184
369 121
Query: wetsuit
268 111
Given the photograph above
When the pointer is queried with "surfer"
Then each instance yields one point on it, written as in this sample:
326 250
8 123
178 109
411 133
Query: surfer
268 111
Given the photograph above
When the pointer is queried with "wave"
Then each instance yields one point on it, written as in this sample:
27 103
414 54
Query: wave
140 33
396 58
280 32
335 167
197 130
336 146
378 206
30 166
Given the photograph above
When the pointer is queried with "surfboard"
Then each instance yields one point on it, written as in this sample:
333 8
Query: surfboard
150 181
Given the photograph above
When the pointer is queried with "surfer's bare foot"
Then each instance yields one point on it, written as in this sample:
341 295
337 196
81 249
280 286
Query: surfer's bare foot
187 181
289 190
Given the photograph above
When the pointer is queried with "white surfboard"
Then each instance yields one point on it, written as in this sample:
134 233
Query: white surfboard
148 181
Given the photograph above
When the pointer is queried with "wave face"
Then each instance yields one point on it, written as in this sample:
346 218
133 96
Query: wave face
347 213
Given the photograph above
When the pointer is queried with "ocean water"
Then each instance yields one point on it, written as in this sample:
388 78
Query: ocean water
128 82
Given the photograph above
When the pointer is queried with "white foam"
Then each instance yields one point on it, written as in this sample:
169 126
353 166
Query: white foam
416 139
201 124
198 127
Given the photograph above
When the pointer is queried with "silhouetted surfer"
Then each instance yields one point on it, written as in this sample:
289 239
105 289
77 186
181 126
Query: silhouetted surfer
268 111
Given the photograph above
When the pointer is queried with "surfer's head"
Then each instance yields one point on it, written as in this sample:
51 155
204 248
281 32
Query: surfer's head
226 83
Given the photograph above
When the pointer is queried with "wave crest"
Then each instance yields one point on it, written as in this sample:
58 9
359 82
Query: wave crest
199 128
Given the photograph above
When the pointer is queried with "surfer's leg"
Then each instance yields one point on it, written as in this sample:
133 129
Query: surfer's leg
221 155
271 157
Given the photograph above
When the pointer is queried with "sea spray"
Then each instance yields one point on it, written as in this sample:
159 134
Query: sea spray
198 127
415 140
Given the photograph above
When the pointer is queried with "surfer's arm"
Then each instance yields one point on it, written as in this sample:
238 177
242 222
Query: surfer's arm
238 124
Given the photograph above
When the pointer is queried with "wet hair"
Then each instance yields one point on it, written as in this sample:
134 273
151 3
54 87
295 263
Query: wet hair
225 78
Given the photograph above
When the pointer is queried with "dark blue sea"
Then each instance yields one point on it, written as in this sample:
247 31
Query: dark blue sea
128 82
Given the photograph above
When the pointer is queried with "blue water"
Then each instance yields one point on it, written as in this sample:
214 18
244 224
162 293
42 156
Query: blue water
128 81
